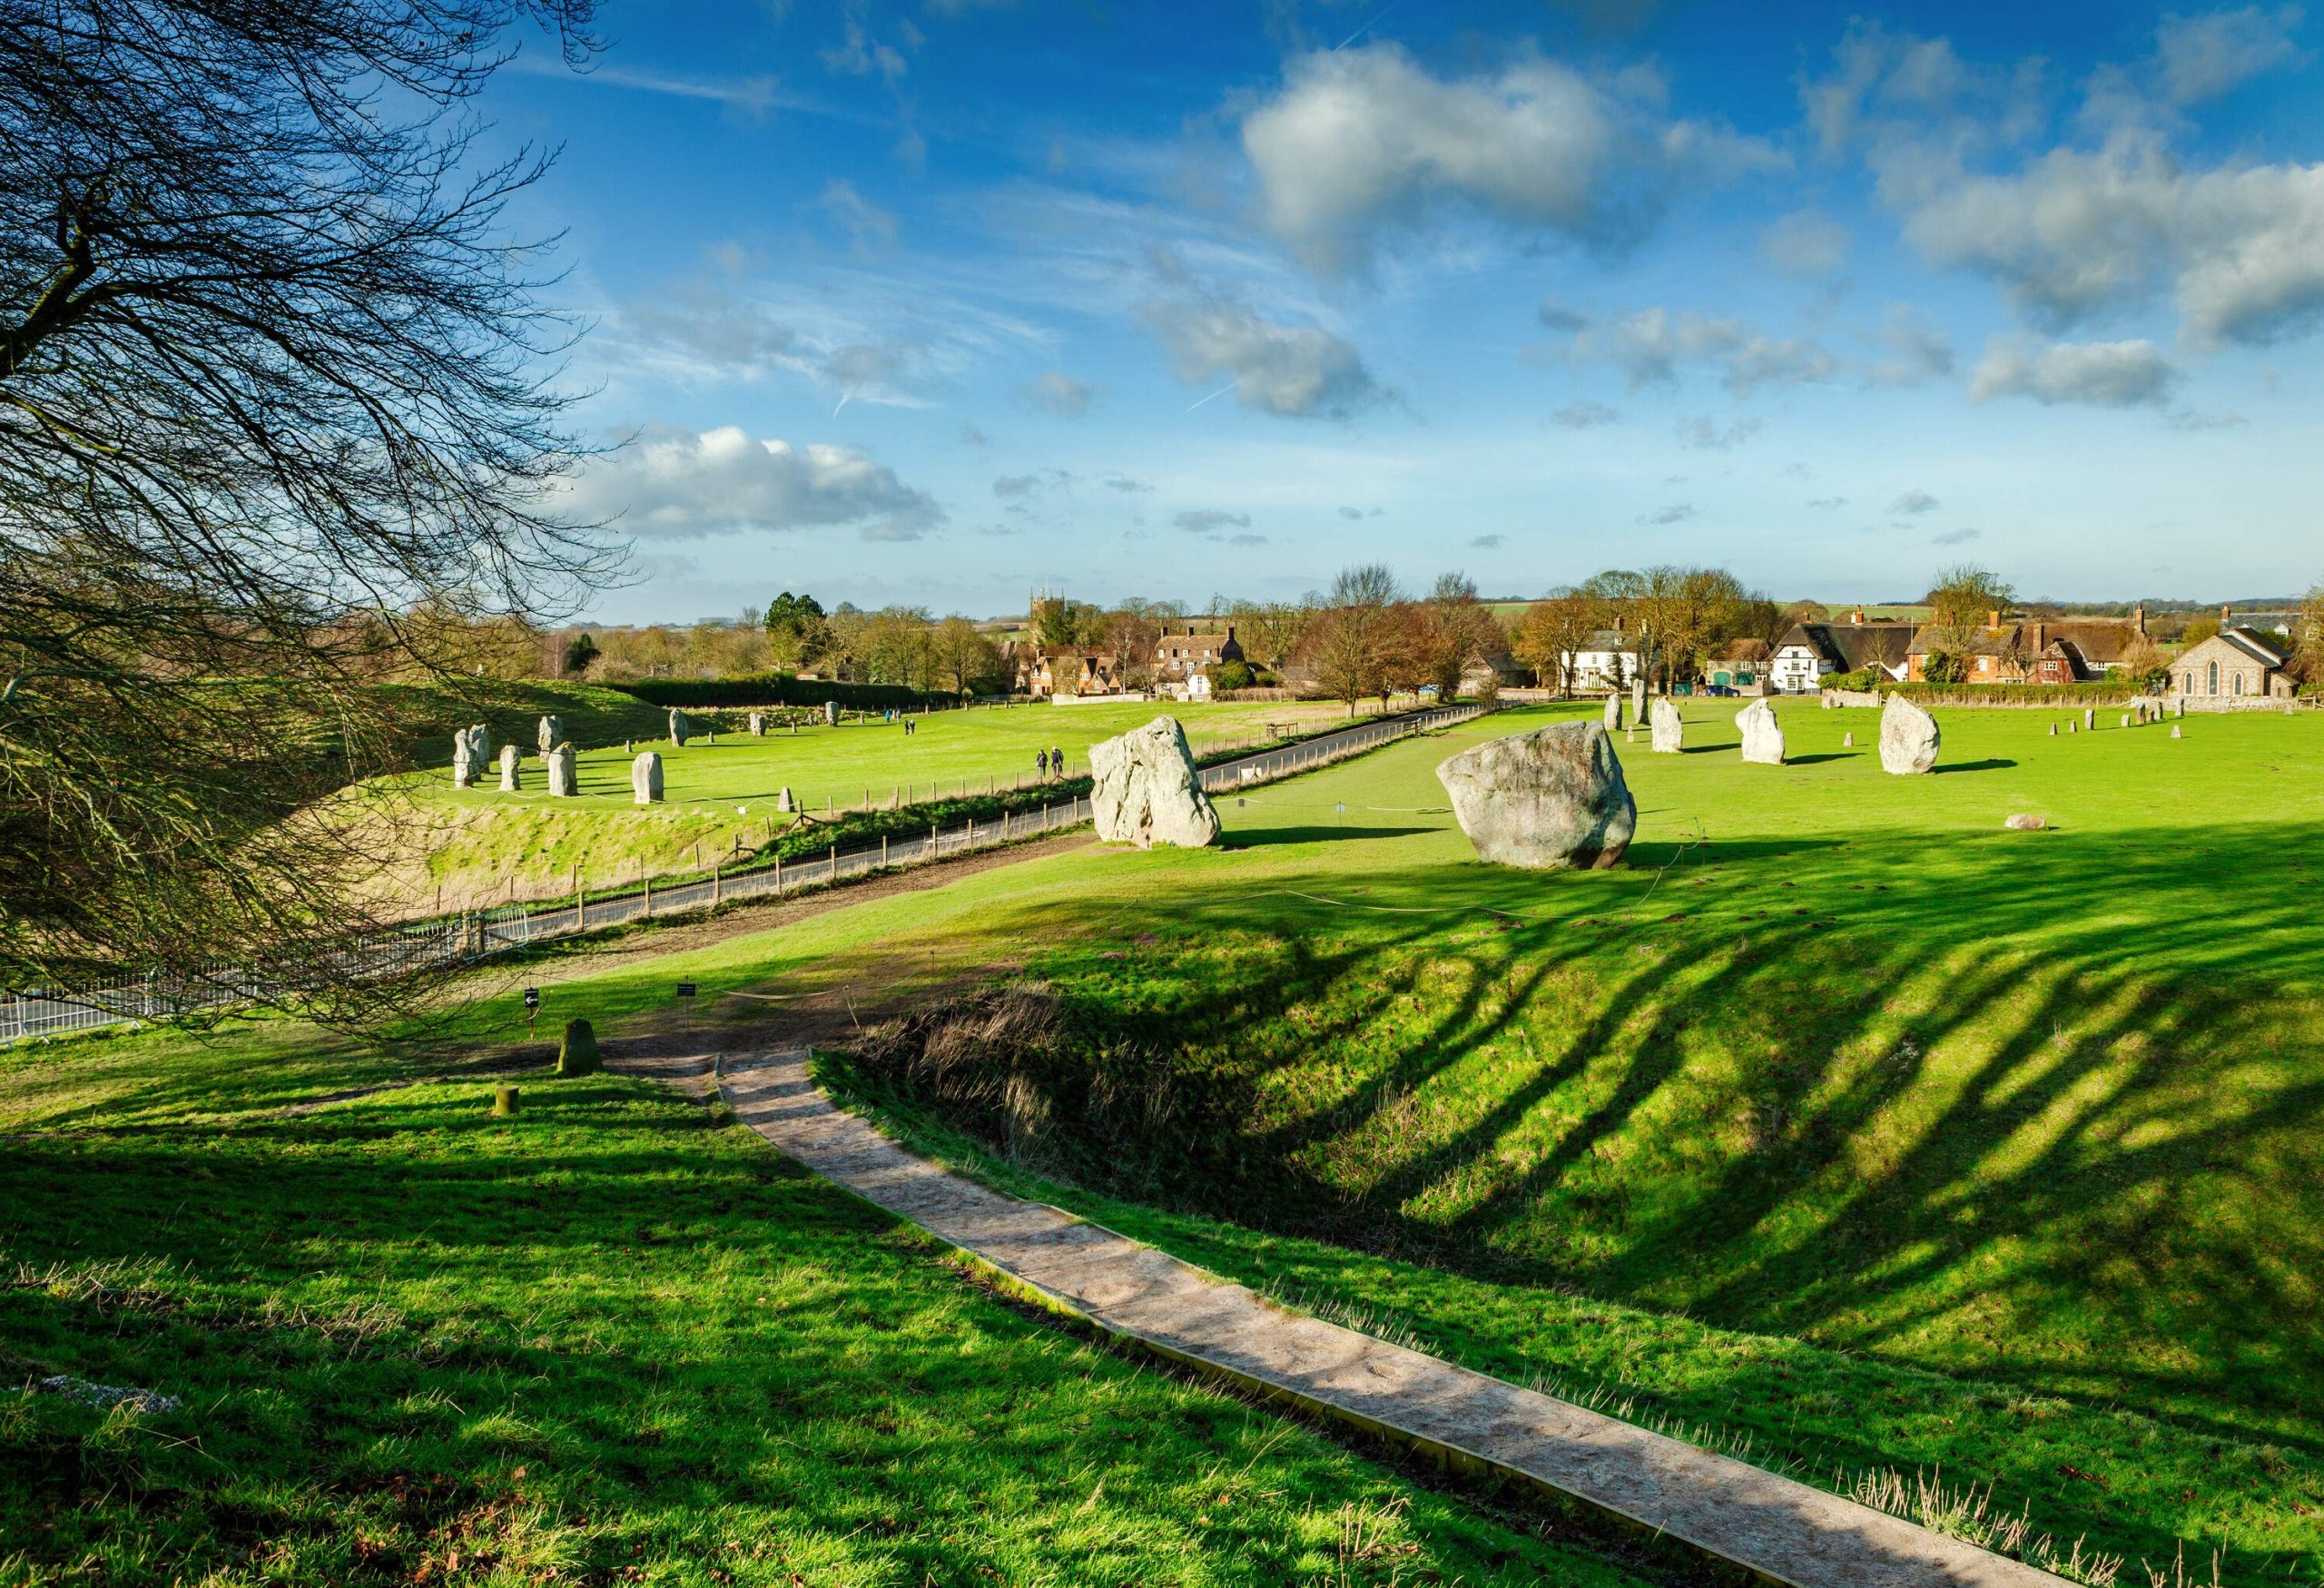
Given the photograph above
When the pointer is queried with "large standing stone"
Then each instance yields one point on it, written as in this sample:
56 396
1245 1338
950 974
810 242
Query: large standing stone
1637 699
1669 727
679 728
1144 789
1762 735
510 779
1614 713
465 765
564 773
551 733
1549 799
645 779
480 741
758 725
831 714
1908 738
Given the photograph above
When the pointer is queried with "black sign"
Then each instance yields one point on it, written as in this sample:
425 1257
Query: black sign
685 990
532 997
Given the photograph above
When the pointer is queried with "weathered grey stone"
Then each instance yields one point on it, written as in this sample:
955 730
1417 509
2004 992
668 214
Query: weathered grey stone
784 802
1547 800
2088 716
480 737
2179 707
551 733
1908 738
758 725
645 779
1638 700
2126 719
564 771
1669 727
1613 713
2054 730
464 763
1847 740
1762 735
510 779
680 729
2024 823
831 714
2175 732
1145 790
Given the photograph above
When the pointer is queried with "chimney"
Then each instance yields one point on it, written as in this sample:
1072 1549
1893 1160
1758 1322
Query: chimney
1993 620
1856 616
2222 617
1618 623
2040 637
2138 617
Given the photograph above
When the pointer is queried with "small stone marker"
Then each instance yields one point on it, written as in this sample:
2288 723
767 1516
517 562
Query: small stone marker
645 779
551 733
2054 730
577 1054
1847 740
1909 738
564 779
504 1101
1762 735
2183 707
1613 713
2026 824
1547 800
679 728
784 802
1669 728
510 780
2089 717
2126 719
2174 730
2072 726
758 725
831 714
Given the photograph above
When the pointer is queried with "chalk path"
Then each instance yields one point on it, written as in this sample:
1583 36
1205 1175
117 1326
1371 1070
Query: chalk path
1782 1530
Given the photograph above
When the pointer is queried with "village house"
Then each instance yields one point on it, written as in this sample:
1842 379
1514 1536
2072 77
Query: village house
1810 650
2059 650
1187 652
1048 671
2235 664
1741 663
1608 659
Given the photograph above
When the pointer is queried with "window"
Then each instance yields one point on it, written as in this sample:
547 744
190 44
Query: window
2235 684
2215 679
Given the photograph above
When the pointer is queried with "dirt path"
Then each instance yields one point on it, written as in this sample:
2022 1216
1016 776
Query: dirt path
1782 1530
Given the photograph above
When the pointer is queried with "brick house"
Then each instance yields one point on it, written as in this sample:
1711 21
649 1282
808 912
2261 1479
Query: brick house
2233 664
1051 670
1185 651
2061 650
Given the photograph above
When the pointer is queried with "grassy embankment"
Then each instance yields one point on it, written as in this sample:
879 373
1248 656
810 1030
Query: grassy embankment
1840 1118
482 846
612 1339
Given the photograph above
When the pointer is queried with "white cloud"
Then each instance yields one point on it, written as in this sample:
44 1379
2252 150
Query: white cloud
1705 434
2123 374
1914 502
1290 370
1366 137
674 482
1209 521
1912 351
1581 414
870 230
1059 394
2205 56
1806 242
1649 346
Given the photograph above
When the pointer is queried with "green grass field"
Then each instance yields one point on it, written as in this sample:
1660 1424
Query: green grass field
612 1339
1839 1125
481 845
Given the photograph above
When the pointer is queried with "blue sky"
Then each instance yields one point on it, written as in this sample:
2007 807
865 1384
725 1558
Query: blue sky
936 302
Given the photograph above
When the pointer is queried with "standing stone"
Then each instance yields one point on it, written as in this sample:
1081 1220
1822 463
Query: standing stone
2126 719
1669 727
784 802
2174 730
758 725
1547 800
463 761
2089 717
1638 700
1762 735
2181 707
564 773
2026 823
2054 730
509 779
1908 738
1614 713
552 733
1144 789
831 714
1847 740
679 728
480 737
645 779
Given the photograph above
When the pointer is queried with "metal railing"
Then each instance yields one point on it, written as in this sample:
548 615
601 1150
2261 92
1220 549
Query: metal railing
480 934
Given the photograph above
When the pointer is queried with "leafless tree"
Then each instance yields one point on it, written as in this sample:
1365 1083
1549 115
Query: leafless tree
272 377
1350 642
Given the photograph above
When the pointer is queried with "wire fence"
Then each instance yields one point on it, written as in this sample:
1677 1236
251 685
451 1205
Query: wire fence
478 934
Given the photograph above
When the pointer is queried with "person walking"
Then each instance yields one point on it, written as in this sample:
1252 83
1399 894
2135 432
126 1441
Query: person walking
1041 759
1057 762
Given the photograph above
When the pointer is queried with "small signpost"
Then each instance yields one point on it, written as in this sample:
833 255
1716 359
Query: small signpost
532 1008
687 991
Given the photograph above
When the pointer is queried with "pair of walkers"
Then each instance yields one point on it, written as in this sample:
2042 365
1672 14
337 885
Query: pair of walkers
1051 763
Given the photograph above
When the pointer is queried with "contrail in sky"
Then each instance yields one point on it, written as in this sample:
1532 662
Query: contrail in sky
1220 392
1360 32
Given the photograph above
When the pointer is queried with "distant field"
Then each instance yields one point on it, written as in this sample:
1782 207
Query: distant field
483 846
